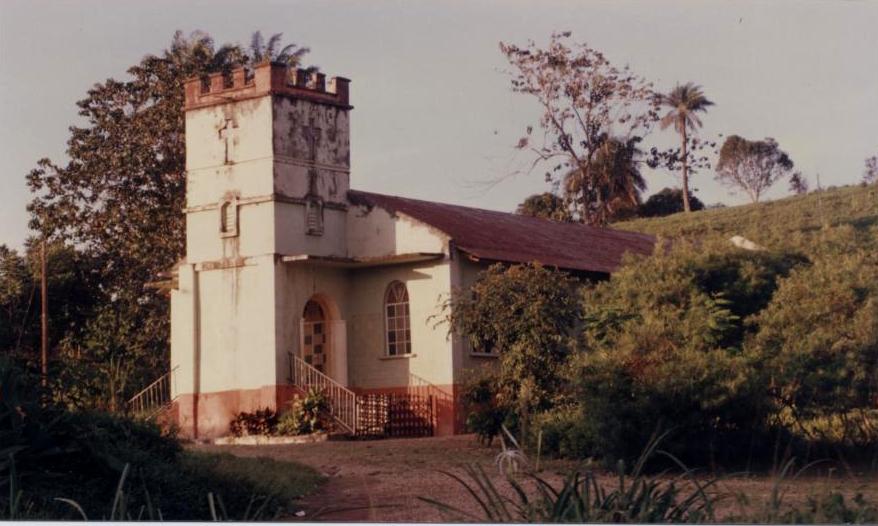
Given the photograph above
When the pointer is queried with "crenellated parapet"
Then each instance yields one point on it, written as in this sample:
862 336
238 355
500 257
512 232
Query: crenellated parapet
264 79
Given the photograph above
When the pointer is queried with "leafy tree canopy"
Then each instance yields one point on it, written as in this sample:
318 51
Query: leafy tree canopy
545 206
751 166
668 201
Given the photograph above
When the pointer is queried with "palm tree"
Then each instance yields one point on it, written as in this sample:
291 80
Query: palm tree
260 51
613 184
684 102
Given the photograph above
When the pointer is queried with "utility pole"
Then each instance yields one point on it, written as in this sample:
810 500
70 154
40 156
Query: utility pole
44 298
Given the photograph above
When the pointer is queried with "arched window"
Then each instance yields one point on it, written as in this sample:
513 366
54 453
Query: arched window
229 218
397 322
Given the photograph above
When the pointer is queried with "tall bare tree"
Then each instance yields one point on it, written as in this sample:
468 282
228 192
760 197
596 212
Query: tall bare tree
586 103
684 101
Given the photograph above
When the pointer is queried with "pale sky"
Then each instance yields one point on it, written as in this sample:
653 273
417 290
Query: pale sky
434 116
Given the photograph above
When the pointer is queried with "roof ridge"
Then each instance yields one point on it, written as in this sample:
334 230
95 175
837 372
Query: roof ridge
596 229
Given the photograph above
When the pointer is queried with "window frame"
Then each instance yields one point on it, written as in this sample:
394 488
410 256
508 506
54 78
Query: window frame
225 229
405 318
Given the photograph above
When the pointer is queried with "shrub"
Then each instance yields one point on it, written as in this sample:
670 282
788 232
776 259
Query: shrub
485 412
817 348
526 313
259 422
662 351
308 414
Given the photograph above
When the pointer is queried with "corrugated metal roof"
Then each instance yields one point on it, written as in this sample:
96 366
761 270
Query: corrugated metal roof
514 238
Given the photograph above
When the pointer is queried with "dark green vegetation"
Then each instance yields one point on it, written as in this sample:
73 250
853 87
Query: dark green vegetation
746 357
47 453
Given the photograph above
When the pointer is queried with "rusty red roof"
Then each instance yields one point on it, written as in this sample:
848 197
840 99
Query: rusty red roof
514 238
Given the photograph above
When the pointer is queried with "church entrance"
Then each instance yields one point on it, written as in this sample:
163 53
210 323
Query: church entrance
315 337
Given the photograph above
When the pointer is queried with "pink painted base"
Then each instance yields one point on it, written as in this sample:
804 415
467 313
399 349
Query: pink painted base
207 415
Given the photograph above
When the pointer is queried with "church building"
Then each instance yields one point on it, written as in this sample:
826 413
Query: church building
292 280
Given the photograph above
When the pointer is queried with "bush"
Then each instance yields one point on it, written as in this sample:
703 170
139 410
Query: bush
817 349
308 414
526 313
48 452
663 343
485 412
259 422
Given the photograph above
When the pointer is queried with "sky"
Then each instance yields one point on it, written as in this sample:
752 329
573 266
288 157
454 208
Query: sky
434 115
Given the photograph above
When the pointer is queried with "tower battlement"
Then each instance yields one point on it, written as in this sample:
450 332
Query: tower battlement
264 79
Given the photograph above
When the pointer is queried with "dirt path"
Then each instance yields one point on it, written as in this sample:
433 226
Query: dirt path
381 480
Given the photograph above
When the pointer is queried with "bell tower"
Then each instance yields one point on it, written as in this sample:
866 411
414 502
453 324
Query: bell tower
267 176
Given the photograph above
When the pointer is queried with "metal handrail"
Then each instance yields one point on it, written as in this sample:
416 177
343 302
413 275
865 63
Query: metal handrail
154 397
343 401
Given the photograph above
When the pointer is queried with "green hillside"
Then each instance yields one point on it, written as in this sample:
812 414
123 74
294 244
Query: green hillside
803 223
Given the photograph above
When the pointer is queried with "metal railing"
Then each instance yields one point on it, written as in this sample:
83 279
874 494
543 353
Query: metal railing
342 400
155 397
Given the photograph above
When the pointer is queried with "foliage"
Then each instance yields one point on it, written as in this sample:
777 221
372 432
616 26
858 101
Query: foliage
545 206
817 346
259 422
663 345
667 201
307 414
485 411
118 200
798 183
683 103
751 166
102 462
526 314
594 115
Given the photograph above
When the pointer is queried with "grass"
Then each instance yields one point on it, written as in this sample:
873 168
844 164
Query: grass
795 223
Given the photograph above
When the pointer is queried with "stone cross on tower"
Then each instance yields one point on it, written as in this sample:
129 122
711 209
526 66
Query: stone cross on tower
228 132
311 134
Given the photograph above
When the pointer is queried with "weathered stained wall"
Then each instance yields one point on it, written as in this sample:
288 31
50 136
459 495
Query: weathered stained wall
375 232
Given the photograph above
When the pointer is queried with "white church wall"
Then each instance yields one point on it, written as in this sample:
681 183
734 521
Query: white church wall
368 363
289 221
375 232
183 312
236 328
311 139
240 133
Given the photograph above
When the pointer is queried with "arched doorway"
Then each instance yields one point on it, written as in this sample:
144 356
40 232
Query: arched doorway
315 336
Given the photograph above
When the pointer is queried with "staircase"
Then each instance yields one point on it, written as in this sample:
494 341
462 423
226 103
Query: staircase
154 398
343 401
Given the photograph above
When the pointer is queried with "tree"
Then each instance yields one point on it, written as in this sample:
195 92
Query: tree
615 167
870 174
586 104
684 102
545 206
798 183
751 166
525 313
668 201
120 195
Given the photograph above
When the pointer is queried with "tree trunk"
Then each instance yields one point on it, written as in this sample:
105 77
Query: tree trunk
686 207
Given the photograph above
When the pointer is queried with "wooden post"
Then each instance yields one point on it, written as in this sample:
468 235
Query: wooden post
44 317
